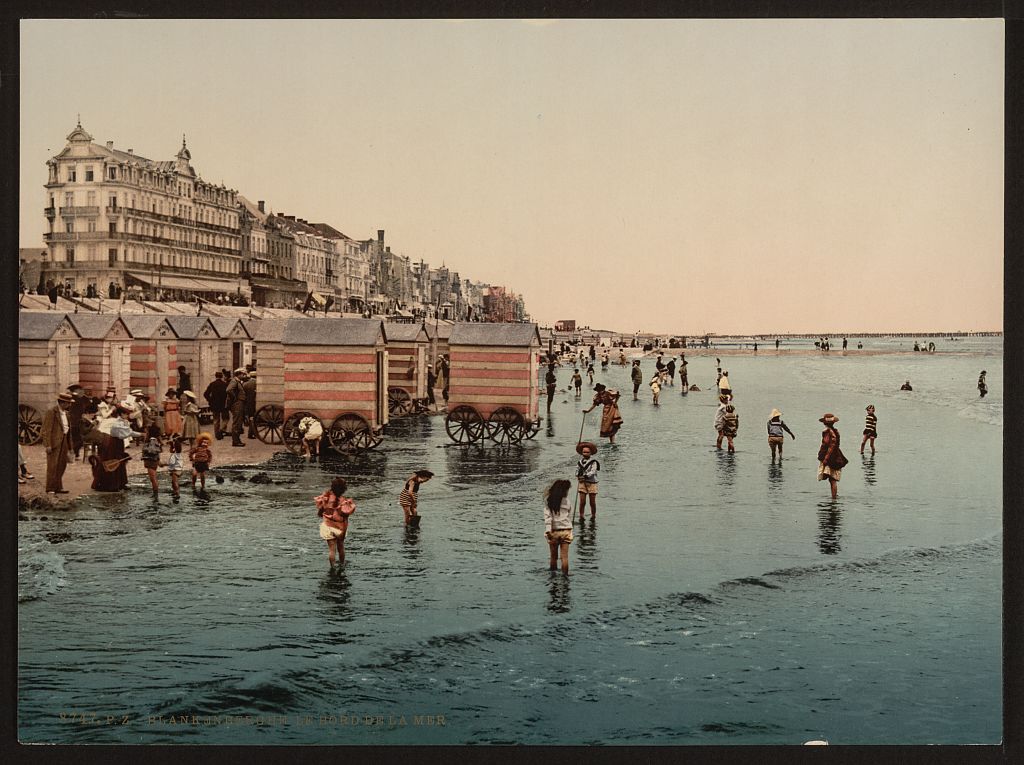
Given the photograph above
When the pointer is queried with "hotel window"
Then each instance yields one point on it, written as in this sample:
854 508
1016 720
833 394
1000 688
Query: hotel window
92 252
70 257
112 173
71 174
92 225
69 226
88 174
112 256
113 200
69 199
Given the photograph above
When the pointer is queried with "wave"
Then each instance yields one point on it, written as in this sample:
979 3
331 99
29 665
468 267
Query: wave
40 567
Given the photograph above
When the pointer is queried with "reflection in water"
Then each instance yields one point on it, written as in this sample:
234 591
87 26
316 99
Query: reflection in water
411 543
775 477
549 429
558 593
371 464
586 542
829 527
868 465
726 468
334 591
486 462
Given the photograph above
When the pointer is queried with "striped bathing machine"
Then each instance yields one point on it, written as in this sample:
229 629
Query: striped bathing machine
337 371
268 355
407 353
492 391
105 354
198 350
47 364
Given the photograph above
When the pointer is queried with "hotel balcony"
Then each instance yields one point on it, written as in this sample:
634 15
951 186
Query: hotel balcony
50 212
74 211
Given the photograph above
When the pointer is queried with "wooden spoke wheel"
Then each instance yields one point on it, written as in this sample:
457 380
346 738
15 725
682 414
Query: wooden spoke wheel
532 428
30 425
350 433
464 425
399 401
269 422
506 426
290 433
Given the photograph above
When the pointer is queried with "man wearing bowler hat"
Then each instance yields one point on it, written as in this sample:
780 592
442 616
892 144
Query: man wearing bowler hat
57 440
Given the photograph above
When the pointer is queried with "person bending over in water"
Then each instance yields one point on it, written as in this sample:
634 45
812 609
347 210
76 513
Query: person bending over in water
906 386
558 522
982 386
334 509
408 499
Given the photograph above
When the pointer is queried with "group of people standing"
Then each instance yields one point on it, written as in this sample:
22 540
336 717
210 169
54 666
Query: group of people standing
101 429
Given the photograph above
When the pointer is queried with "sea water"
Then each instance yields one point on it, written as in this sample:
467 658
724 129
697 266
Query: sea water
717 599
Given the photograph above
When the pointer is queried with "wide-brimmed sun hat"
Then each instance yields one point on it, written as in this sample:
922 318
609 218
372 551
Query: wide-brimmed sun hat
829 418
65 397
581 444
189 393
204 436
776 413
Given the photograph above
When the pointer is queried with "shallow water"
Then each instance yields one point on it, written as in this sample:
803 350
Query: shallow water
717 599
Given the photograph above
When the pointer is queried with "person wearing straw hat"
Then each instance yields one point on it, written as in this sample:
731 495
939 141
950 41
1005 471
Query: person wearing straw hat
870 428
586 474
190 416
56 435
611 419
776 427
831 459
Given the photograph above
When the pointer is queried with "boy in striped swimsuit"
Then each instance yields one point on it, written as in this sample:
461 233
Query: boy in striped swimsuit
870 429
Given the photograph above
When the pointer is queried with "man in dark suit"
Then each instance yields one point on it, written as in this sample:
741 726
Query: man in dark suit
57 440
215 395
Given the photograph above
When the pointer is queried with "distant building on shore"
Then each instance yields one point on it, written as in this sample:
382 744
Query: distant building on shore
565 325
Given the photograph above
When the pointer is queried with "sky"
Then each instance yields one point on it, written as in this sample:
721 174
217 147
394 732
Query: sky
669 176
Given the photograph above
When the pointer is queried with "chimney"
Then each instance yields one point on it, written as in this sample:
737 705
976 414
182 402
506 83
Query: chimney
380 235
260 203
110 144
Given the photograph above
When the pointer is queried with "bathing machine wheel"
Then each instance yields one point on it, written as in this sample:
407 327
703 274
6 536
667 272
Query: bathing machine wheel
464 425
269 422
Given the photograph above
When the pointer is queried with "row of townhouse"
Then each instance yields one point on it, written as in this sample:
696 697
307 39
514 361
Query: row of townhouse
157 230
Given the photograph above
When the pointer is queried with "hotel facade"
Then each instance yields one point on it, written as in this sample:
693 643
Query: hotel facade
155 230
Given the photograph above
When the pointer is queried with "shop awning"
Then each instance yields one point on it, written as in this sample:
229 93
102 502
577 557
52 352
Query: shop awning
190 283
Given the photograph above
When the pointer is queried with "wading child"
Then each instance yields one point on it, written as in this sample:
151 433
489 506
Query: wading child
656 386
334 508
175 464
408 499
586 474
151 456
577 381
201 457
312 431
558 523
776 427
730 425
870 429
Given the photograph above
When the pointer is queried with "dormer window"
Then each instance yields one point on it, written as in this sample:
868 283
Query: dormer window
88 174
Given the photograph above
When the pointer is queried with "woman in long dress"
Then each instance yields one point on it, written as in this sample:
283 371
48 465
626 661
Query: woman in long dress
190 410
611 420
831 459
172 413
108 466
